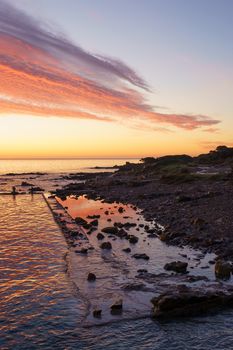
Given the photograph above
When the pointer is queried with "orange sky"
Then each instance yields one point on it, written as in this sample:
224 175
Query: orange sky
57 100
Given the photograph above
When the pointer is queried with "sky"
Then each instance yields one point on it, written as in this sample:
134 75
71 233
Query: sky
115 78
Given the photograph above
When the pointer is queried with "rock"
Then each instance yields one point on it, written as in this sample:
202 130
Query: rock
185 301
82 251
93 216
183 198
117 305
94 222
198 222
106 245
100 236
91 277
133 286
150 230
26 184
97 313
141 256
126 250
122 234
113 230
223 269
128 225
152 235
177 266
121 209
81 221
133 239
164 236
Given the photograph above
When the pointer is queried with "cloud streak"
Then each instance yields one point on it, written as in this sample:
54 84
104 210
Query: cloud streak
43 73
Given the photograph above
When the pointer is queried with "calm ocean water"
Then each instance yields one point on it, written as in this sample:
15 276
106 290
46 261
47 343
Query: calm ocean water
57 165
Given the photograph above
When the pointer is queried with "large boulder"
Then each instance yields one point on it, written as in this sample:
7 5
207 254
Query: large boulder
185 301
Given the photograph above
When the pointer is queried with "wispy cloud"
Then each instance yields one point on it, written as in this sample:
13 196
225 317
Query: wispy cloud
43 73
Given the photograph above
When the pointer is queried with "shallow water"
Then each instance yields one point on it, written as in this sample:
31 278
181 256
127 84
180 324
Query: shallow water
41 308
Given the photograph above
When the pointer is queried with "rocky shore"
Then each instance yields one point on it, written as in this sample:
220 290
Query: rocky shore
191 201
194 207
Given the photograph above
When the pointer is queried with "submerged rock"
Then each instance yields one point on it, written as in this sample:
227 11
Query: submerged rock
177 266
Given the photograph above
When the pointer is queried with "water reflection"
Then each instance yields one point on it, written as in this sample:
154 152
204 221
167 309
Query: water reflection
41 309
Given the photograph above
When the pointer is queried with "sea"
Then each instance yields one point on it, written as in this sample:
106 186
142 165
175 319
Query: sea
45 301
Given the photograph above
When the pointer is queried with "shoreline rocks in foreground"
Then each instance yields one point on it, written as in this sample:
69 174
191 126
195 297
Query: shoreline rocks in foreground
184 301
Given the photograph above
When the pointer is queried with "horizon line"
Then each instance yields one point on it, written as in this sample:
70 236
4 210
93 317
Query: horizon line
68 158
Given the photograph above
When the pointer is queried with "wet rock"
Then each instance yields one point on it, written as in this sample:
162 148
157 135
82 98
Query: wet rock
152 235
82 251
133 286
126 250
117 305
141 256
100 236
133 239
113 230
106 245
94 222
80 221
177 266
97 313
118 224
122 234
183 198
26 184
150 230
128 225
185 301
91 277
223 269
121 209
93 216
198 222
